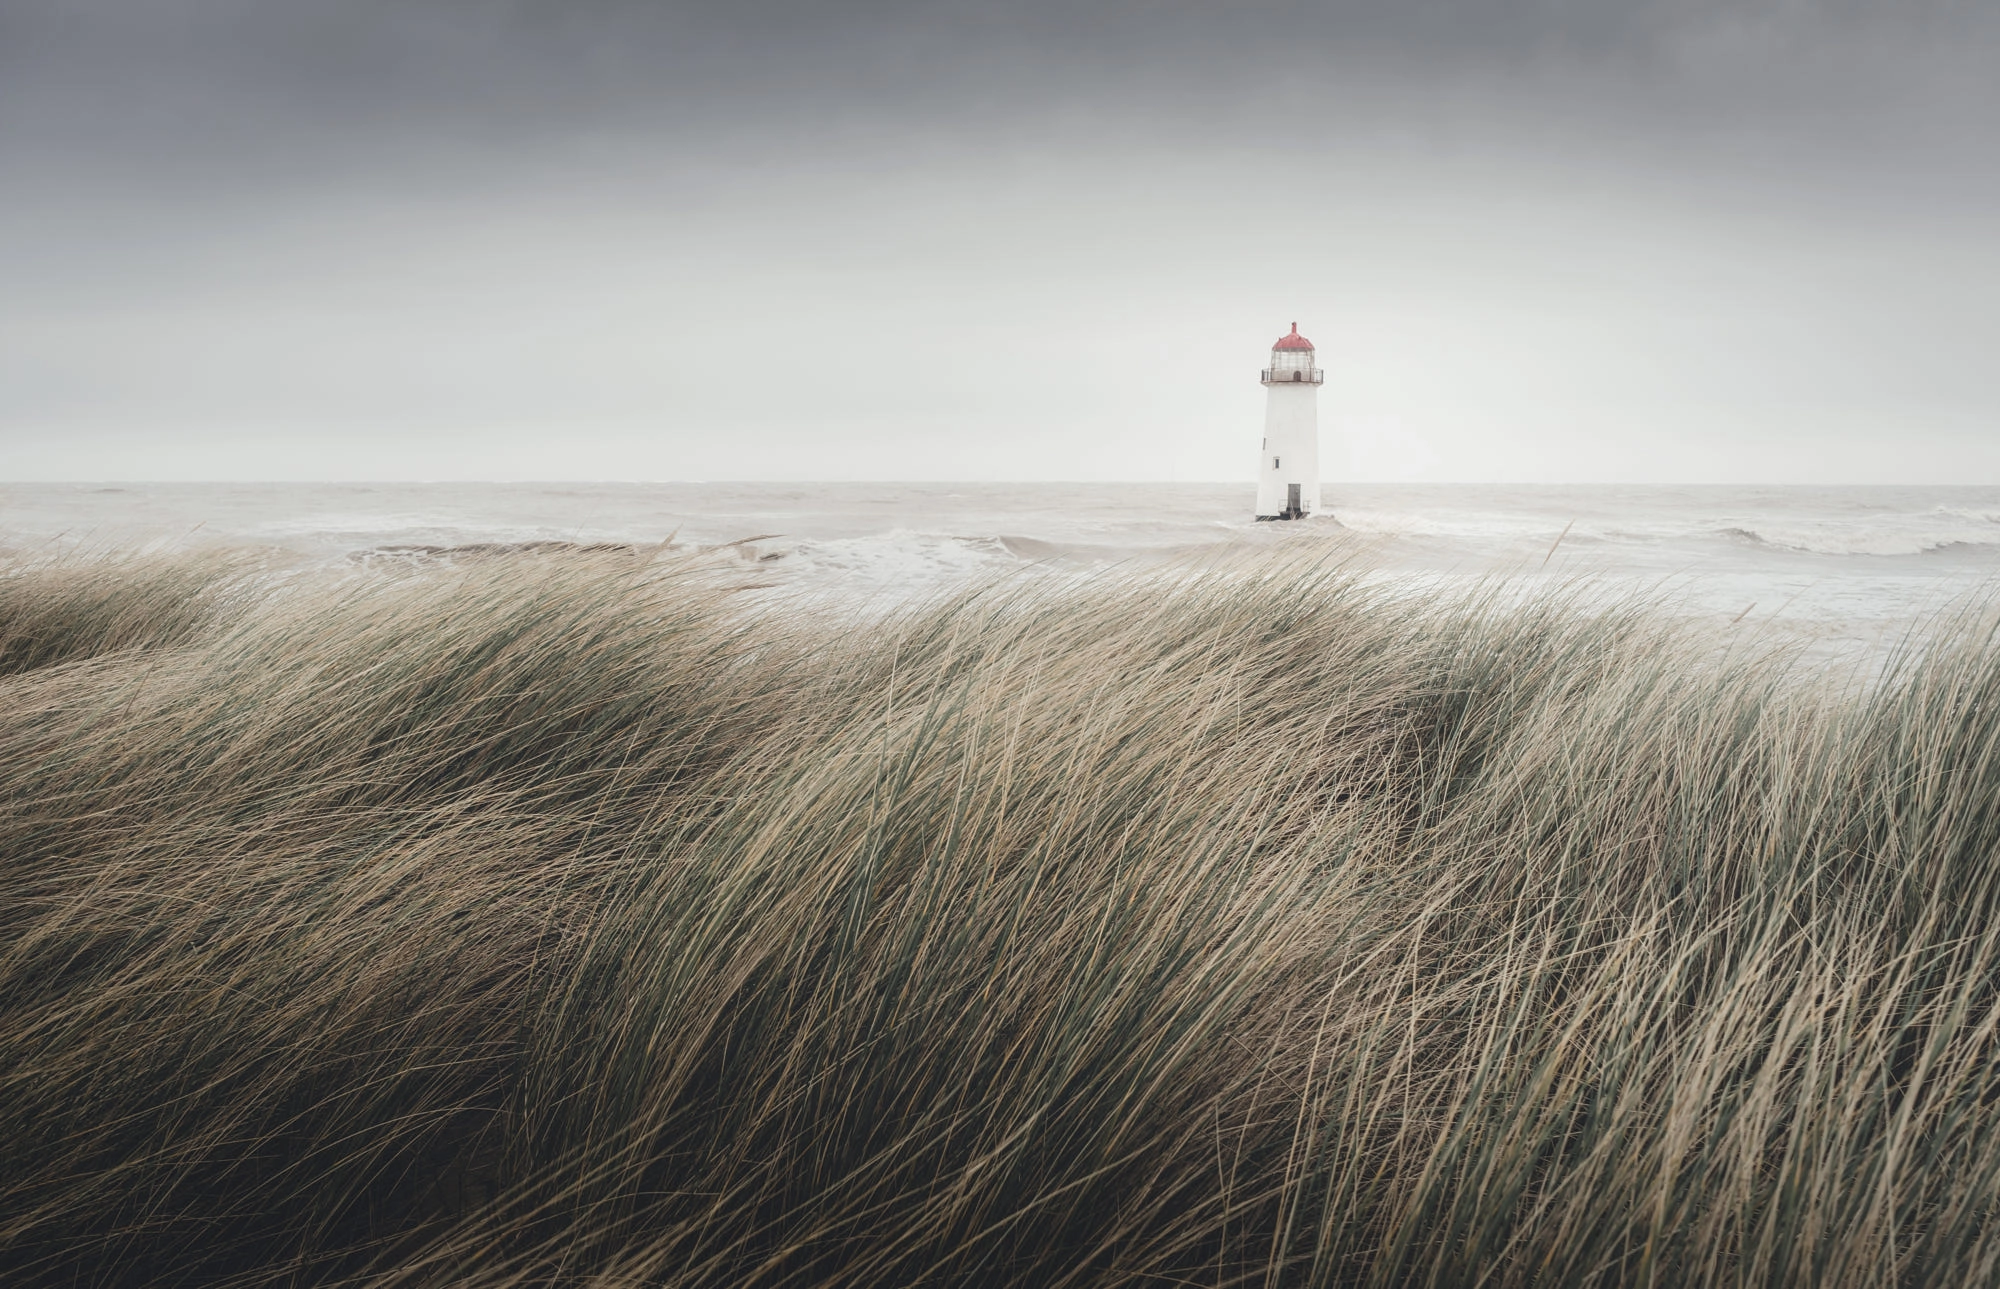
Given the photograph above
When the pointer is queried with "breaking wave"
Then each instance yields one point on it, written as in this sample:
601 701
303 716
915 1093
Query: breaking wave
1891 538
896 558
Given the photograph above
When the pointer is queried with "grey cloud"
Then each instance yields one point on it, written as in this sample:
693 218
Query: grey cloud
228 72
1517 221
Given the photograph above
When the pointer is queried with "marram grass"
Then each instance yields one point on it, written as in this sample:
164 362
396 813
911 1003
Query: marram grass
577 921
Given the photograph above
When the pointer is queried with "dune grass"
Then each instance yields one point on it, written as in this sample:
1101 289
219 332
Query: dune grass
571 920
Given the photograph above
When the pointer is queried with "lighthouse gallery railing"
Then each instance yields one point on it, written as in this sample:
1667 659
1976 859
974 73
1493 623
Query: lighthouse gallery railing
1299 376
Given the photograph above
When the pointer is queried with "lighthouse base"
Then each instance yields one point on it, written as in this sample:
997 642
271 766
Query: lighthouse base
1282 498
1287 514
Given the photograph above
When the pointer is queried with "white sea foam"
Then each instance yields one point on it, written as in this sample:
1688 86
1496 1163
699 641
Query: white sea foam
1829 557
1902 536
1449 523
896 558
1912 533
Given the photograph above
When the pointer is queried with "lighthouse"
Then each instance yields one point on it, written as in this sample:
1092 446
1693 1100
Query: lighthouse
1288 474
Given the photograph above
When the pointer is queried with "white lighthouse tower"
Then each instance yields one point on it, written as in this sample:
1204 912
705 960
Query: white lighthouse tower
1288 475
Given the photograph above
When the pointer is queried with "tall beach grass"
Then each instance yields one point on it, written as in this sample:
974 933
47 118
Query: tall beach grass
582 920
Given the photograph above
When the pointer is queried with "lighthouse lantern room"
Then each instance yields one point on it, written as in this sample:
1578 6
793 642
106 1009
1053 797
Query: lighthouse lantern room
1288 475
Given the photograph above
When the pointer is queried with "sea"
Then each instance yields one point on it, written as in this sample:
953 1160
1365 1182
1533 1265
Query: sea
1839 570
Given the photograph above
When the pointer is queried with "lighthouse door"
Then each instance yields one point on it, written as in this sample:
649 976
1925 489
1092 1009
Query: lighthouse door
1291 499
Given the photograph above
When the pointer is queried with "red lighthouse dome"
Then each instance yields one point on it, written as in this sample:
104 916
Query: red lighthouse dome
1293 341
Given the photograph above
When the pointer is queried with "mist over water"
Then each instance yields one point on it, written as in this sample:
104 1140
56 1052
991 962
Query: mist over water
1842 568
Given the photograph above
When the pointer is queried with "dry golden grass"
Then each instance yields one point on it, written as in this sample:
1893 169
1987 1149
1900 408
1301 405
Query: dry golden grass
571 920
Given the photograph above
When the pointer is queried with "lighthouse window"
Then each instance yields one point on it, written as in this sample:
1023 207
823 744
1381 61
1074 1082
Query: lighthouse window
1275 463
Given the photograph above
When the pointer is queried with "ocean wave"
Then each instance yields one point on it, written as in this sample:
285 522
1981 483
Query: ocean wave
353 524
1443 523
1973 514
898 557
1912 532
1873 539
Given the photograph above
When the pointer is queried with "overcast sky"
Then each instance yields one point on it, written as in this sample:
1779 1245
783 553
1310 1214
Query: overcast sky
1561 240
